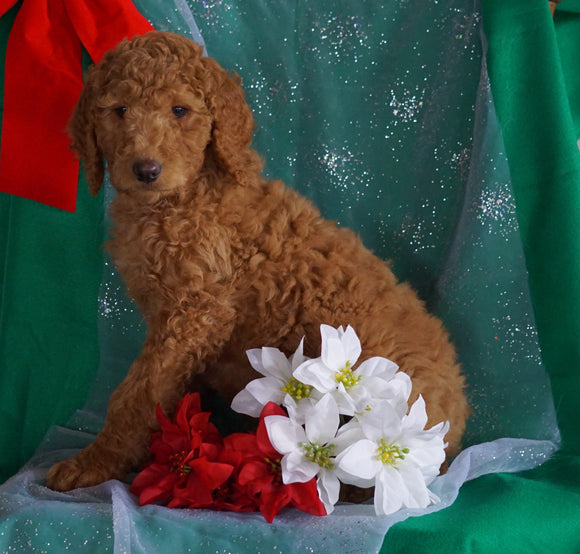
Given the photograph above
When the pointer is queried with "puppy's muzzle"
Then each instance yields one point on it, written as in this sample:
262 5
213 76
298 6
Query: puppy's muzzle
147 170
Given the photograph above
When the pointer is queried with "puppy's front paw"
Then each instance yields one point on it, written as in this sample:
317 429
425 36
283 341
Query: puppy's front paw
76 473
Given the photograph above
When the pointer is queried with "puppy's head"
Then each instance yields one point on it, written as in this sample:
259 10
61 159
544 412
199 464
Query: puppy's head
152 109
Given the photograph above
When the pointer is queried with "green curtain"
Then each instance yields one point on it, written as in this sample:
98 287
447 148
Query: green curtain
50 270
383 115
535 77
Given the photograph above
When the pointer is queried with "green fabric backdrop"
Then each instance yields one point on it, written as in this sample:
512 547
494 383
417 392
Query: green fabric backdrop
50 272
535 76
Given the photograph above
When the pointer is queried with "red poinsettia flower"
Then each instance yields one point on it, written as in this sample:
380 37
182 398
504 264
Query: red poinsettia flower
261 474
193 467
231 495
185 469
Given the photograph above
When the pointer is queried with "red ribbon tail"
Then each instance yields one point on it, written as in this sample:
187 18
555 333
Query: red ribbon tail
43 82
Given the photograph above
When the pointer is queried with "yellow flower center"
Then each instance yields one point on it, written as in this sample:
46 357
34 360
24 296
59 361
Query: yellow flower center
390 453
296 389
346 376
178 464
274 464
276 468
319 454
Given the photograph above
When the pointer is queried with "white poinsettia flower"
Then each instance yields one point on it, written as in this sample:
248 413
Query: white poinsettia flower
278 384
340 350
353 389
308 451
395 454
395 391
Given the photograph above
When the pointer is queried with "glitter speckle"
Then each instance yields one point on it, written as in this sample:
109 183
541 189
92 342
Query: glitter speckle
406 104
344 35
114 306
496 209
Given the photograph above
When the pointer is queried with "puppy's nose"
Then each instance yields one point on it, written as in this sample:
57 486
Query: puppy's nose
147 170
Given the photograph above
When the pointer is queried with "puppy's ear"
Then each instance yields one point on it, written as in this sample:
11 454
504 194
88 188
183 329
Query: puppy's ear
81 129
233 123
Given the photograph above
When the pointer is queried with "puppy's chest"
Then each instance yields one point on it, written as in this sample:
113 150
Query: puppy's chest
159 256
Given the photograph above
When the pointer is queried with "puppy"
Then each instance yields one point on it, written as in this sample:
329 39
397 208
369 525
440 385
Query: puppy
220 260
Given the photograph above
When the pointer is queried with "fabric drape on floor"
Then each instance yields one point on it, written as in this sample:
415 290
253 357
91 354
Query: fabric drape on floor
445 134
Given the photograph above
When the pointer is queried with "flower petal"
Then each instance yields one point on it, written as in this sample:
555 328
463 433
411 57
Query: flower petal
245 403
417 494
257 471
305 497
187 407
264 445
272 501
398 392
378 367
255 358
333 355
154 483
284 434
328 489
417 417
359 463
348 434
351 345
358 396
298 357
316 374
389 490
296 469
276 364
159 492
246 444
266 389
427 452
212 474
323 420
381 422
299 411
272 409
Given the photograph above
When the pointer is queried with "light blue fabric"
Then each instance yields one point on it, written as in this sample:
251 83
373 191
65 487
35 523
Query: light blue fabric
107 519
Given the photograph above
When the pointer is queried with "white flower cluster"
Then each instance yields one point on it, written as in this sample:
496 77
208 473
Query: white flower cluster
383 443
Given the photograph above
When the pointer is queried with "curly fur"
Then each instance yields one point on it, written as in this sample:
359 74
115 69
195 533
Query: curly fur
220 260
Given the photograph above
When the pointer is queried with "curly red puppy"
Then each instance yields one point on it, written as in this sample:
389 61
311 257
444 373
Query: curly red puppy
220 260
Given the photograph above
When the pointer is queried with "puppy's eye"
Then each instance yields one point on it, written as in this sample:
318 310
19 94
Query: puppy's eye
120 111
179 111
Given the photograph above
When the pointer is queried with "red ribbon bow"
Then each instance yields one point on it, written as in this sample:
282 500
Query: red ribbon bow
43 82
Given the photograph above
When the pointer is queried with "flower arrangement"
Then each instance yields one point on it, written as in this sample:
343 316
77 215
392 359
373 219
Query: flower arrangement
322 421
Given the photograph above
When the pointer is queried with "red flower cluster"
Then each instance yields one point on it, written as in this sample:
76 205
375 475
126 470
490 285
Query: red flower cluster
193 467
